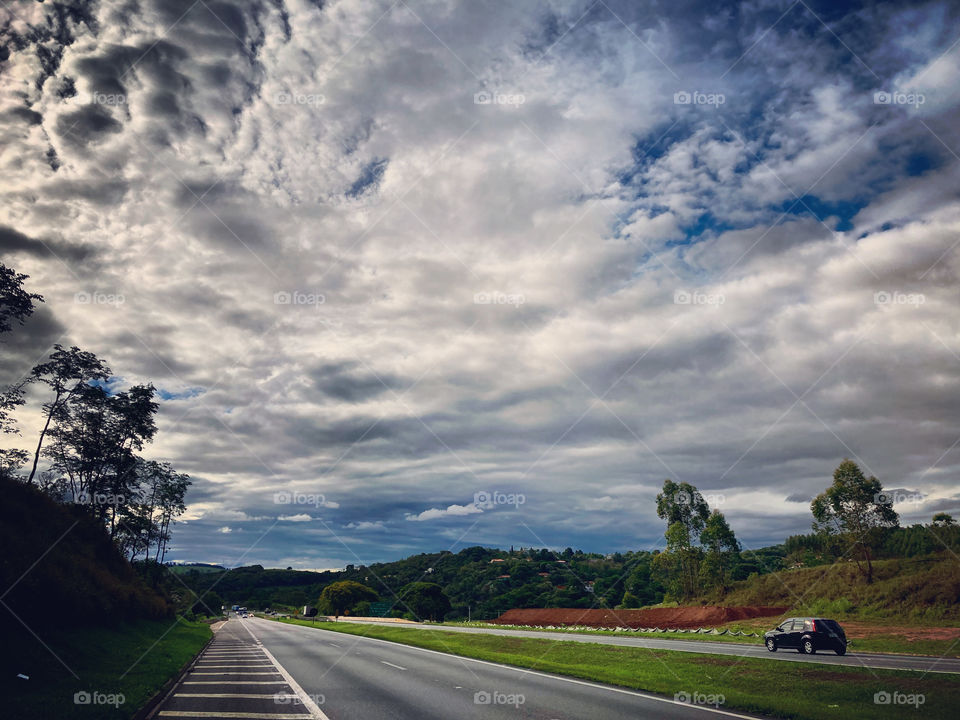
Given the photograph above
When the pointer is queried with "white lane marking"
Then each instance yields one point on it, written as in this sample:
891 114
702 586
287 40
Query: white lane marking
308 703
243 667
271 696
245 715
392 665
334 644
281 681
622 691
271 672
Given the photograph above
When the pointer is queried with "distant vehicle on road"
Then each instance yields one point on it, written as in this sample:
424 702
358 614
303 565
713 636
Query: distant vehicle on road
807 635
235 608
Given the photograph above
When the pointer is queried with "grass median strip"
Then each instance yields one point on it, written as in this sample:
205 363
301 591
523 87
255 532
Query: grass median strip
119 668
788 690
895 644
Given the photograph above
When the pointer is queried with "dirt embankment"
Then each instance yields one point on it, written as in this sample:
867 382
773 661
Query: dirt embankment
680 617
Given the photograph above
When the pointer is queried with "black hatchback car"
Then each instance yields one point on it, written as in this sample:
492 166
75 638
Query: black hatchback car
807 635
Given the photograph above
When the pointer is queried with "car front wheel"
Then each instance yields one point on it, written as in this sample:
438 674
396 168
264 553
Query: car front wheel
771 645
807 647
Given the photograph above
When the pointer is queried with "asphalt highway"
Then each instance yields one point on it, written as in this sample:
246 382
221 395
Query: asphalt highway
881 661
343 677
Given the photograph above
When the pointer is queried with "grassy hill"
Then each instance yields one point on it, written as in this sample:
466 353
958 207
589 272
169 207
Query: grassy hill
58 559
910 590
78 617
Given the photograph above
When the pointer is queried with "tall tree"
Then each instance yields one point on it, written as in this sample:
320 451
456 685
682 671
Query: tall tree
854 509
16 304
721 550
339 597
66 372
943 519
683 503
94 440
11 459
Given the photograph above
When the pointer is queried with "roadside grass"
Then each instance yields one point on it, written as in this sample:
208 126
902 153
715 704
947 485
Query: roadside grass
146 654
893 643
779 689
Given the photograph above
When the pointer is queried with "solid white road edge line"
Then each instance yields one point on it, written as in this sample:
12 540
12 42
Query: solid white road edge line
398 667
623 691
308 703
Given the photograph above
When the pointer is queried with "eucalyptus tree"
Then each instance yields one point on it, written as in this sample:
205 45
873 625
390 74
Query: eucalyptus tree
855 511
66 373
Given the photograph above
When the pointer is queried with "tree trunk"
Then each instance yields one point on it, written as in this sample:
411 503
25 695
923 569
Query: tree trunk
46 425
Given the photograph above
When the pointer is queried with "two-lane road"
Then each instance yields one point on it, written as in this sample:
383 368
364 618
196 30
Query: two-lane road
364 678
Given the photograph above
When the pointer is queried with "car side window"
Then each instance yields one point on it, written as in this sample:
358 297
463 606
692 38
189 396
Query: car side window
785 627
807 625
797 625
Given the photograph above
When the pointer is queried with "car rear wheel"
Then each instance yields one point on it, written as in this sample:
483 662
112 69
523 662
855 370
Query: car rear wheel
806 647
771 645
841 650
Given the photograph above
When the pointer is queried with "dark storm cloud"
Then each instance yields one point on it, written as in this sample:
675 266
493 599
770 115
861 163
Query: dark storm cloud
88 125
349 382
12 241
23 114
30 343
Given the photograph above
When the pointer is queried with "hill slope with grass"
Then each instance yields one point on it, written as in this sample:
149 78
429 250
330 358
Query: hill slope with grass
911 590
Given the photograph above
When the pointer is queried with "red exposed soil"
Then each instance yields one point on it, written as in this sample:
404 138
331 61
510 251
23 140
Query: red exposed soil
680 617
864 630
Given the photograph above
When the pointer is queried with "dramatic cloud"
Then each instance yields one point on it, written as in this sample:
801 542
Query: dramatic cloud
381 257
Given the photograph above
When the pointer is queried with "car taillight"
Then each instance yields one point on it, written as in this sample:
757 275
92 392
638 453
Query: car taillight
814 626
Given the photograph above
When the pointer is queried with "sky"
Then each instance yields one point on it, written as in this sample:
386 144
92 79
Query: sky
412 276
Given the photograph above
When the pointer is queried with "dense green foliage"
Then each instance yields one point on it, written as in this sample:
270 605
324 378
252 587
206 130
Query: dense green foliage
343 597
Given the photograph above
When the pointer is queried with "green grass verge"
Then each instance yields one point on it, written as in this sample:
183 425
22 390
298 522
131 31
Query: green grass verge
781 689
133 660
895 644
